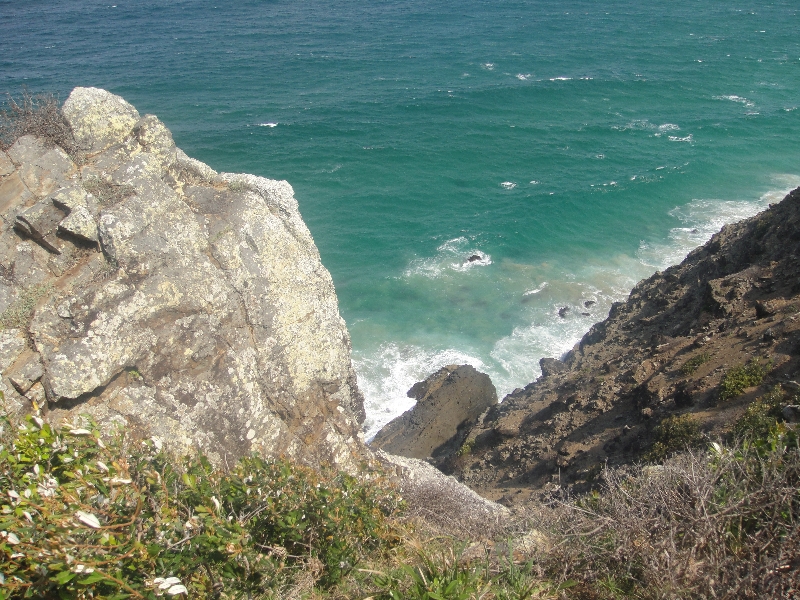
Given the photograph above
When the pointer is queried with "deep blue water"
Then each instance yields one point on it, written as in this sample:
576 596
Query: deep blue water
574 146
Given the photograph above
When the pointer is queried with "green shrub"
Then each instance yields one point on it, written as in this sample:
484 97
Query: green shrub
692 364
466 448
675 433
740 377
82 518
760 417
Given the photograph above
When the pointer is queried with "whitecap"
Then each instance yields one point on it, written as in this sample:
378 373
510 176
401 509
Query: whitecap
702 218
668 127
508 185
452 255
534 182
267 124
561 79
734 98
522 77
386 373
675 138
488 66
536 290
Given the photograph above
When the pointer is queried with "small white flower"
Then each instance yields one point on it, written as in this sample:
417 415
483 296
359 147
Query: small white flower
84 569
88 519
102 466
12 538
177 589
80 432
38 421
13 494
167 583
36 470
216 502
157 442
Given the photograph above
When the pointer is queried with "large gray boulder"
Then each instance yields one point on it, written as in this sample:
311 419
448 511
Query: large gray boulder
146 290
451 398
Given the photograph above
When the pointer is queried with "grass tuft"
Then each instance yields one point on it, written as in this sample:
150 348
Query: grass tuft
38 115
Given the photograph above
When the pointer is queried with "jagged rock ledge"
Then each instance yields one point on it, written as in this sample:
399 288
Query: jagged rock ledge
146 290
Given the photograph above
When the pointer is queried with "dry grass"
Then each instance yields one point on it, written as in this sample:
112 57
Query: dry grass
38 115
718 525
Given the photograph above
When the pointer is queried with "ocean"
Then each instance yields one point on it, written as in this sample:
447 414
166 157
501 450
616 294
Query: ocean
483 179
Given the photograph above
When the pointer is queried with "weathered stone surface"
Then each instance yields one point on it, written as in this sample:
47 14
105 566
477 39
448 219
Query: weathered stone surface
453 396
207 319
98 118
442 501
6 166
40 223
81 223
26 371
14 194
42 169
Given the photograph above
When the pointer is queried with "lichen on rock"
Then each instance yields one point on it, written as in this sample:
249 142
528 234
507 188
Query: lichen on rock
207 286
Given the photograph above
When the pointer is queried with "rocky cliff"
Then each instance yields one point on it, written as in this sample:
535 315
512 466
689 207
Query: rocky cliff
141 287
662 353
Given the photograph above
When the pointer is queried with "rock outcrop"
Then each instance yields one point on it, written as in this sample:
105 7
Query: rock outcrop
144 289
661 353
448 401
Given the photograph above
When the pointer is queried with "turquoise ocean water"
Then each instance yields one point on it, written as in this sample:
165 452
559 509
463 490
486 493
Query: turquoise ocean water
574 147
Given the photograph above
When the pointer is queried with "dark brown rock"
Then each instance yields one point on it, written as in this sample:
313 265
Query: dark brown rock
452 397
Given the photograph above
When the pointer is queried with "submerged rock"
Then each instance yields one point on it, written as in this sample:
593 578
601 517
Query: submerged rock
154 293
453 397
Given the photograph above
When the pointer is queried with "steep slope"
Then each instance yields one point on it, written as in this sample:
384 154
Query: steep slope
139 286
734 300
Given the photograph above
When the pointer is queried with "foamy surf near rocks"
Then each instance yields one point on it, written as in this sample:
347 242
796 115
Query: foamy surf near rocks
448 401
145 289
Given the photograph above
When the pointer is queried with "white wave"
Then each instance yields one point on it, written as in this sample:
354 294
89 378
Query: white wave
703 218
534 182
488 66
508 185
734 98
386 374
536 290
522 77
675 138
267 124
561 79
477 259
453 255
668 127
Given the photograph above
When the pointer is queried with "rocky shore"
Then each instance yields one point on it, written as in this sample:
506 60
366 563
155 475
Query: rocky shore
662 353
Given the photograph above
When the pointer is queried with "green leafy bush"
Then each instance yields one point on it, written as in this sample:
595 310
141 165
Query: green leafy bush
694 363
740 377
674 434
760 418
81 518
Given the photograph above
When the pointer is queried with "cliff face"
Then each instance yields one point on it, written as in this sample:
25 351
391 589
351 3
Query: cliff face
145 289
735 299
